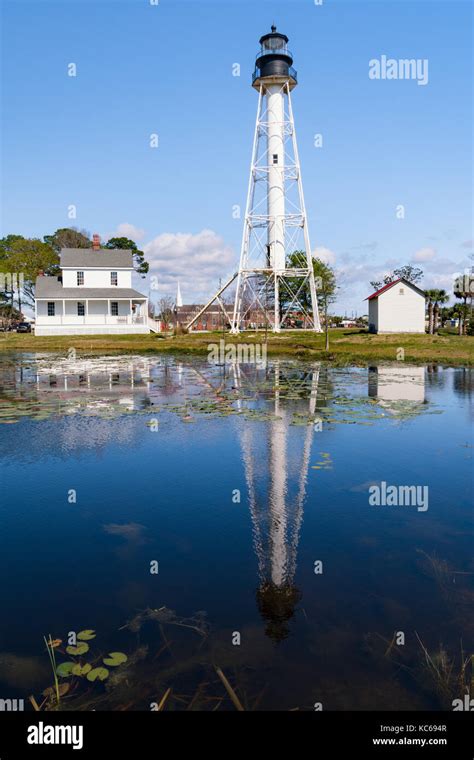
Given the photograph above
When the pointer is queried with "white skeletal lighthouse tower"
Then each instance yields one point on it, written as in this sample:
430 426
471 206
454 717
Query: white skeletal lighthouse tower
275 277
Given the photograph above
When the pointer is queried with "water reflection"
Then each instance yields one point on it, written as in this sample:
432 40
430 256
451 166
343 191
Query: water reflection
276 465
275 453
397 383
264 423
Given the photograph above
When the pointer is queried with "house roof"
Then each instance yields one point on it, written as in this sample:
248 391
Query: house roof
391 284
88 257
199 306
51 287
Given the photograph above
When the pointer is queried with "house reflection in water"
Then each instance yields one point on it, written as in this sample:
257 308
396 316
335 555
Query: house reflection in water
108 384
400 383
276 458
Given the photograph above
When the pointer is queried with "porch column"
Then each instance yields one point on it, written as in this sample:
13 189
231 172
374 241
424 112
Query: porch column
64 311
108 311
130 320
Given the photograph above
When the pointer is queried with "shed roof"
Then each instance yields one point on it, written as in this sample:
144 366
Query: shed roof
391 284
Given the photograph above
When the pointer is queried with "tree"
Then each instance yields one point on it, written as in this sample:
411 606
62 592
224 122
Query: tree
9 314
7 294
439 297
141 266
68 237
166 309
326 291
430 296
26 257
463 289
407 272
462 312
325 283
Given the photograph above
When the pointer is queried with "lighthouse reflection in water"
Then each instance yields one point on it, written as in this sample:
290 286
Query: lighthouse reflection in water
276 456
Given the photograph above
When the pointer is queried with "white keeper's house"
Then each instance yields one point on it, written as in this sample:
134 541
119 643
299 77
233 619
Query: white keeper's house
92 295
398 307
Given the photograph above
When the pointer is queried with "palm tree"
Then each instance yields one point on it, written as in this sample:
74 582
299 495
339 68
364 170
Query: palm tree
439 297
464 291
463 313
430 297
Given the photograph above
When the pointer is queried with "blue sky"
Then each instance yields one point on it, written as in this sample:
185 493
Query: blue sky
167 69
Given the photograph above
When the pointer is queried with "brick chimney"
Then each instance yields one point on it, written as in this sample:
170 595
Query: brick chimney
96 242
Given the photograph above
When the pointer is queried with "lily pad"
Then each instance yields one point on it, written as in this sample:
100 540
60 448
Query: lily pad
65 669
86 635
81 648
115 658
98 674
81 670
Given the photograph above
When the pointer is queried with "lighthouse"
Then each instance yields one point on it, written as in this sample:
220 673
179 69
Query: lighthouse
275 286
275 281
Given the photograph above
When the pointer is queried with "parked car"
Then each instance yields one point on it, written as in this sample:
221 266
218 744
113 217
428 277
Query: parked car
24 327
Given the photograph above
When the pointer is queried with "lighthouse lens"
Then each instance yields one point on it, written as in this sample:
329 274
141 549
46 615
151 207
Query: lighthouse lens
274 43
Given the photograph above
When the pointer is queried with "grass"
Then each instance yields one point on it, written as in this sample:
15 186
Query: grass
346 346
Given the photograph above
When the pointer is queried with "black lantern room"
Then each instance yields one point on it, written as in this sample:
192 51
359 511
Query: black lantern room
274 60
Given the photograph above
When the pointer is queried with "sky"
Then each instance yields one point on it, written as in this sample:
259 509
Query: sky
166 68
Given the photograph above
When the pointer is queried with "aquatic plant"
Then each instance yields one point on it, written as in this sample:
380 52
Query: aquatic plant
78 668
450 678
186 671
50 647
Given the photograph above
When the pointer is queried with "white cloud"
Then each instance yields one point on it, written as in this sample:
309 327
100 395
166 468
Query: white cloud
197 261
129 231
424 254
325 254
441 281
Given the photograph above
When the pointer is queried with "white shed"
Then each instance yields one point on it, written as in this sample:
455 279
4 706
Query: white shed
398 307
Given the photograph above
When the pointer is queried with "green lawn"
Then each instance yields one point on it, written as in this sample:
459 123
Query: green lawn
346 346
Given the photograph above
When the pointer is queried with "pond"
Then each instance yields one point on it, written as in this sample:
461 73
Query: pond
278 536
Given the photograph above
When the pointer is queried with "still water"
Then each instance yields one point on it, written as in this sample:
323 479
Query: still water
207 520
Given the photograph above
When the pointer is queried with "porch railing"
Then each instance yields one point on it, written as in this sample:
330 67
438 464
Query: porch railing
90 319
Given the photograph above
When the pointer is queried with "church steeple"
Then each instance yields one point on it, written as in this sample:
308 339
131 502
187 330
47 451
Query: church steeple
179 300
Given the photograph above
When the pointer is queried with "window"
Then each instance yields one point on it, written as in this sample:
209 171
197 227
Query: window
113 278
51 309
401 292
114 308
81 309
80 278
275 158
